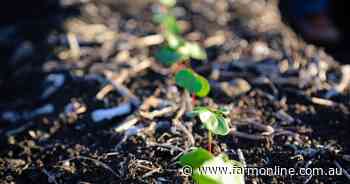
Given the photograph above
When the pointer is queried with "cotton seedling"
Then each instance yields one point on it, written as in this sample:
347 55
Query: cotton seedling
205 167
175 44
214 120
178 51
199 159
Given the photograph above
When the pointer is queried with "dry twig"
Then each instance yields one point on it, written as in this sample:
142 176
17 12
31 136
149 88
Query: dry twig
179 125
97 162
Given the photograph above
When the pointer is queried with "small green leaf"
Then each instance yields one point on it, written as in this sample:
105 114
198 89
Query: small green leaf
193 50
197 52
202 174
174 41
170 24
192 82
168 3
223 125
205 87
223 111
197 110
213 121
195 158
209 119
187 79
185 49
168 56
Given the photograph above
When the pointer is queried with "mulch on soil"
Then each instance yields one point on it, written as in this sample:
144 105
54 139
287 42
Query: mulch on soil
288 101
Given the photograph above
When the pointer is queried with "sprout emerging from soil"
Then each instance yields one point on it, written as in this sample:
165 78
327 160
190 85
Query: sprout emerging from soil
177 51
203 162
214 121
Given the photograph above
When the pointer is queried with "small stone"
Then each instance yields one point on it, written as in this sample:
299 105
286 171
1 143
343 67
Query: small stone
235 87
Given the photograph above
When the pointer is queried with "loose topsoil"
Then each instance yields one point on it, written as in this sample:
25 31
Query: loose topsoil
288 101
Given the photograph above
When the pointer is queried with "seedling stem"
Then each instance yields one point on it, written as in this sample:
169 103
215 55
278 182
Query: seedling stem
194 99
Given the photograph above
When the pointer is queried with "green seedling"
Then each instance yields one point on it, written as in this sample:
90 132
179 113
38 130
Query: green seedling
215 121
187 49
168 23
177 50
172 34
192 82
208 169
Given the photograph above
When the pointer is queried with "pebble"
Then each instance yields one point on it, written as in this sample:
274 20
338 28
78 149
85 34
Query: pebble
235 87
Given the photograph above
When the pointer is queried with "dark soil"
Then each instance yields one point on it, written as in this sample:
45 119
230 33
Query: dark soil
282 112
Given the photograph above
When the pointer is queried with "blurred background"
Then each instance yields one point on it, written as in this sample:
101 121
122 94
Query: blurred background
38 37
320 22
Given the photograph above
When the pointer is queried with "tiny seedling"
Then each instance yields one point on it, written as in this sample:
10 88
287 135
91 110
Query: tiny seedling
208 169
178 51
200 160
171 31
175 43
215 121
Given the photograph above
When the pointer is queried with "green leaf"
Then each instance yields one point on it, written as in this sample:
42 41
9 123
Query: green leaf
195 158
223 125
192 82
168 3
209 119
168 56
217 174
193 50
197 110
213 121
174 41
187 79
223 111
185 49
170 24
205 87
197 52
